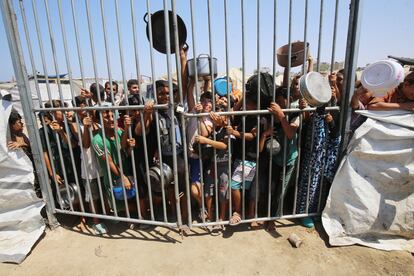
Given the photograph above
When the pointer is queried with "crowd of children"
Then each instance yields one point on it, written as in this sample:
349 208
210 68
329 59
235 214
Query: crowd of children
117 148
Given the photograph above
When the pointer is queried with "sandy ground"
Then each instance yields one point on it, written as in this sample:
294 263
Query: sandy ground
238 251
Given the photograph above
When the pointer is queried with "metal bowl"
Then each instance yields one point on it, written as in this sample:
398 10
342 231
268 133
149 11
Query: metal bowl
155 177
315 89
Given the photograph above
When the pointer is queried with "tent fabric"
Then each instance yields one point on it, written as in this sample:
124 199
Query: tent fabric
21 224
371 201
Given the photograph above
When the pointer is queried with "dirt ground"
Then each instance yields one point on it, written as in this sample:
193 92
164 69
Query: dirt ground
238 251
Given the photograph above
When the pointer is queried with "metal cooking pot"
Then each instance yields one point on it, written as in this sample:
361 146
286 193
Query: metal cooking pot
297 55
158 31
67 195
315 89
155 177
203 66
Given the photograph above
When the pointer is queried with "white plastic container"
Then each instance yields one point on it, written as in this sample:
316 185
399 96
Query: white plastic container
382 76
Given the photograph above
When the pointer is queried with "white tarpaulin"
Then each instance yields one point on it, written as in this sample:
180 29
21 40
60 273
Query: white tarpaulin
371 201
21 224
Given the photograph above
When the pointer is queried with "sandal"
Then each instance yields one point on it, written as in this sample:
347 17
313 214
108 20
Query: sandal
235 219
100 229
217 229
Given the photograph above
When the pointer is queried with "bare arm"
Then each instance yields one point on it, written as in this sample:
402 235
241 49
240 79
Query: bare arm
86 138
148 118
288 128
263 137
190 96
248 136
391 106
184 77
215 144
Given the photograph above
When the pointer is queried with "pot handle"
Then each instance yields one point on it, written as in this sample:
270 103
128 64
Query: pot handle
294 58
145 17
203 55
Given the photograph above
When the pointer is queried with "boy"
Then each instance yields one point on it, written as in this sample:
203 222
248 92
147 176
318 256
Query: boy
222 157
197 126
401 97
114 174
90 173
249 163
118 96
166 150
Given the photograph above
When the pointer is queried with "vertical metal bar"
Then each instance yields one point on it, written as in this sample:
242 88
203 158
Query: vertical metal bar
304 71
134 36
95 70
305 34
16 52
183 122
80 59
228 101
351 57
210 41
244 108
282 195
334 36
272 119
144 139
156 113
197 99
108 63
171 110
68 66
320 38
258 108
134 173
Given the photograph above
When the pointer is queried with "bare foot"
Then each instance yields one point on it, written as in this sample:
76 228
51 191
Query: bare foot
82 225
254 225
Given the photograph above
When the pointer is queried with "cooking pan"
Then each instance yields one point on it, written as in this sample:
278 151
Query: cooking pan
315 89
158 31
203 66
298 53
68 195
272 146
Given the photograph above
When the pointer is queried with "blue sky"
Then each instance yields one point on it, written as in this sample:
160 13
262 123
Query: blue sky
385 28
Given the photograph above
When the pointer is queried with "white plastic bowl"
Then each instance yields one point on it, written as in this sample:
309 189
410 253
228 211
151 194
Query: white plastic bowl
382 76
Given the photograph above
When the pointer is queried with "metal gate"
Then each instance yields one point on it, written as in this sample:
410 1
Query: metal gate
39 31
